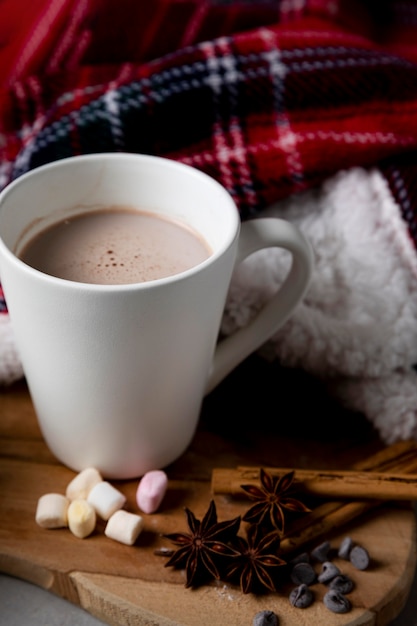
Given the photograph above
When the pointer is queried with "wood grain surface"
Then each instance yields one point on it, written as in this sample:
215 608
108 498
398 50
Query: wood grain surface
125 585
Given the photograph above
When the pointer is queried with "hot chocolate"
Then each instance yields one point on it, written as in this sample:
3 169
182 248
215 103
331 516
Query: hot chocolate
115 245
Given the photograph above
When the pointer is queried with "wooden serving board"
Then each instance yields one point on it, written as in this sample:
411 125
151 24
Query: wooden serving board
125 585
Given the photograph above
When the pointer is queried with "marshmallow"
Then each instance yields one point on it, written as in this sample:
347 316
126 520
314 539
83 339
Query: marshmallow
124 527
52 511
81 518
151 490
81 485
106 499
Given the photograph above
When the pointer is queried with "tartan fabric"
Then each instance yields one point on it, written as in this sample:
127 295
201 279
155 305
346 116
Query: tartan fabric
268 97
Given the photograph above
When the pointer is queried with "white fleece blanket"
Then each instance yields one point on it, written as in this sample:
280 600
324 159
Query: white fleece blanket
356 328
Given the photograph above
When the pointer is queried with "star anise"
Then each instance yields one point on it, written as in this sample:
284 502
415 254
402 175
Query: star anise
202 550
257 564
272 499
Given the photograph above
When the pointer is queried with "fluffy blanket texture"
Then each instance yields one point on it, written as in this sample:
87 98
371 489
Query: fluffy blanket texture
304 109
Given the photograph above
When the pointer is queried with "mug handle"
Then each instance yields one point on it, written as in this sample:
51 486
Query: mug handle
255 235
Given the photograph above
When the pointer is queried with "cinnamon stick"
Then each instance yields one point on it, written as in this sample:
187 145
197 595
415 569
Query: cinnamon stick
324 483
400 457
326 517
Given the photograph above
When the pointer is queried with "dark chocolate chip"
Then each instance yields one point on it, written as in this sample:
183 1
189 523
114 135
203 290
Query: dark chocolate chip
345 548
303 573
301 597
265 618
321 552
336 602
359 557
304 557
341 583
328 571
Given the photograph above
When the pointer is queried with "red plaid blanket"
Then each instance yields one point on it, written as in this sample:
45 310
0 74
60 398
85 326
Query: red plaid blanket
270 97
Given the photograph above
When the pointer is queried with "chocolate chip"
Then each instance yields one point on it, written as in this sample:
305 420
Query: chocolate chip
321 552
345 548
303 573
336 602
301 597
265 618
304 557
359 557
341 583
328 571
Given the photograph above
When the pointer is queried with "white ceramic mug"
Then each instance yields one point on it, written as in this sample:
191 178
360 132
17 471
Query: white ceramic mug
117 373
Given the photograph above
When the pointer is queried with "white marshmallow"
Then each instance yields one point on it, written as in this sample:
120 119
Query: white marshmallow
81 485
106 499
81 518
124 527
52 511
151 490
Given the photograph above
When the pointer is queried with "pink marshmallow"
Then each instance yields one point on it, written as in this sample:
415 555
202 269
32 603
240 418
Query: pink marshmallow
151 490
